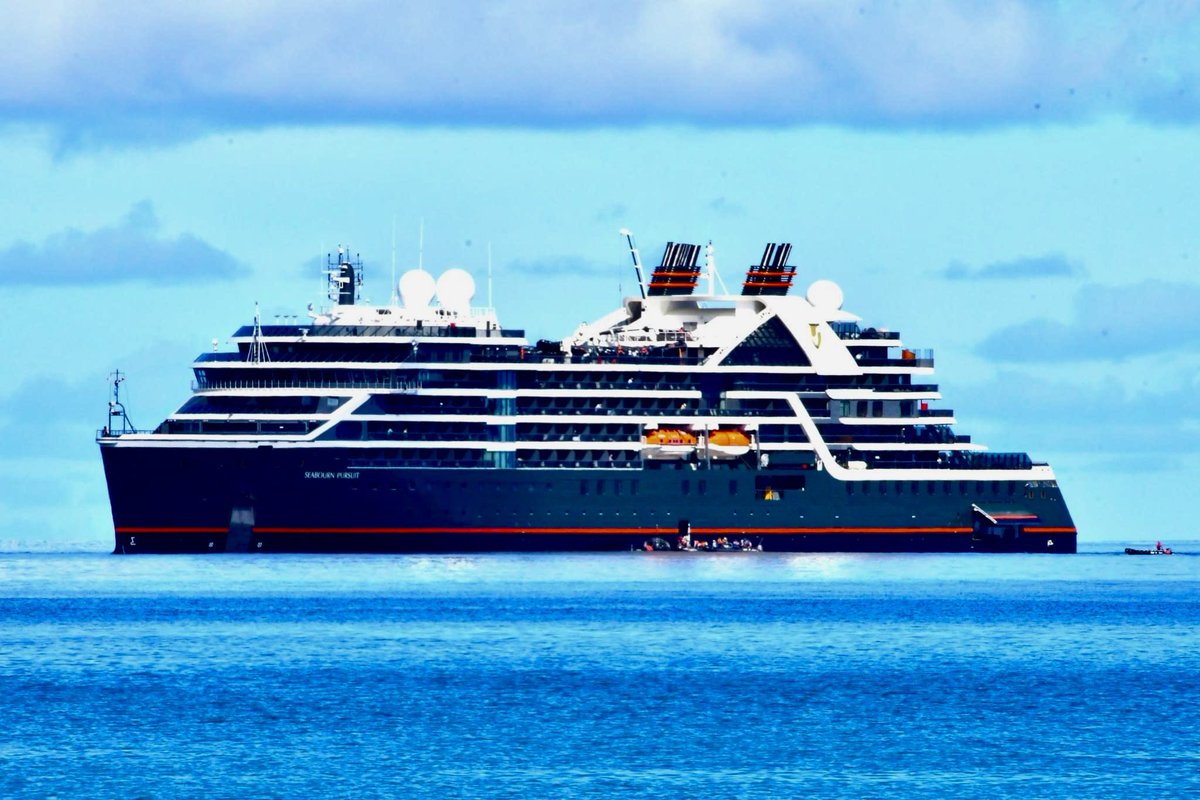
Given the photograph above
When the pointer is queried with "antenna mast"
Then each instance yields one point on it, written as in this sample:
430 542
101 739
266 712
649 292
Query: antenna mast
258 349
710 266
116 411
394 290
490 275
637 260
345 276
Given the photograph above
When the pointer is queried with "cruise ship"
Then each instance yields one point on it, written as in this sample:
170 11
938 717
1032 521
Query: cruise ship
691 418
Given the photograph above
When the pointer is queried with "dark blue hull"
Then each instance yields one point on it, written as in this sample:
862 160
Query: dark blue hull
302 499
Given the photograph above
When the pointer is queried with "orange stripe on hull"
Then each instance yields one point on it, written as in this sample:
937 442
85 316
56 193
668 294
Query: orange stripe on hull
617 531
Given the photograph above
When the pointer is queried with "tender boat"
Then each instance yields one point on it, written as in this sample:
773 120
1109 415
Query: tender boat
1159 550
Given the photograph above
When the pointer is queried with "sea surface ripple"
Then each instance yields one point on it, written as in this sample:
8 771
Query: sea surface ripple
634 675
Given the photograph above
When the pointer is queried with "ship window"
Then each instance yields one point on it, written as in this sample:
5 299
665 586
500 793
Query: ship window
349 431
1012 488
899 487
876 408
733 487
763 489
916 487
946 487
777 486
685 486
862 408
849 487
845 408
702 486
866 487
962 487
633 487
995 487
583 487
883 487
931 487
599 487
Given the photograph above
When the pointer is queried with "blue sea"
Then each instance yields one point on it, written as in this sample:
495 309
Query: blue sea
585 676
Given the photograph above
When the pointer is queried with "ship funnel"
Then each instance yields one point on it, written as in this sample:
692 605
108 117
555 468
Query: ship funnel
772 275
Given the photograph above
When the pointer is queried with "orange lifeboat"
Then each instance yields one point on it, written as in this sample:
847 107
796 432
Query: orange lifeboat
729 438
668 444
728 444
669 436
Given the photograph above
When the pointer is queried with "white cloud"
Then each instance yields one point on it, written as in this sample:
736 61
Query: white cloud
566 266
1049 265
90 72
1098 418
130 250
1110 323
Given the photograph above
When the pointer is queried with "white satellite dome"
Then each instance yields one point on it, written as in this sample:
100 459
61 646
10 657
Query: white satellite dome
417 288
455 288
825 295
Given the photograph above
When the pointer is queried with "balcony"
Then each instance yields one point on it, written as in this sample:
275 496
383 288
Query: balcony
851 330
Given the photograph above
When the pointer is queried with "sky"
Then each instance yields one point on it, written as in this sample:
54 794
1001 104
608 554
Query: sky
1014 185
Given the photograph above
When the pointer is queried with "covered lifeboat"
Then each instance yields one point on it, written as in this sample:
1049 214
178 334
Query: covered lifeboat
728 444
668 444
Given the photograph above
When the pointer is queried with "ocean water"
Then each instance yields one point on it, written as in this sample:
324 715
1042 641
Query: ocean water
581 676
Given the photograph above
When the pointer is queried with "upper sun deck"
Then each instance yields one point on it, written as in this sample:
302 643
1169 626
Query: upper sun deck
415 315
669 324
382 327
